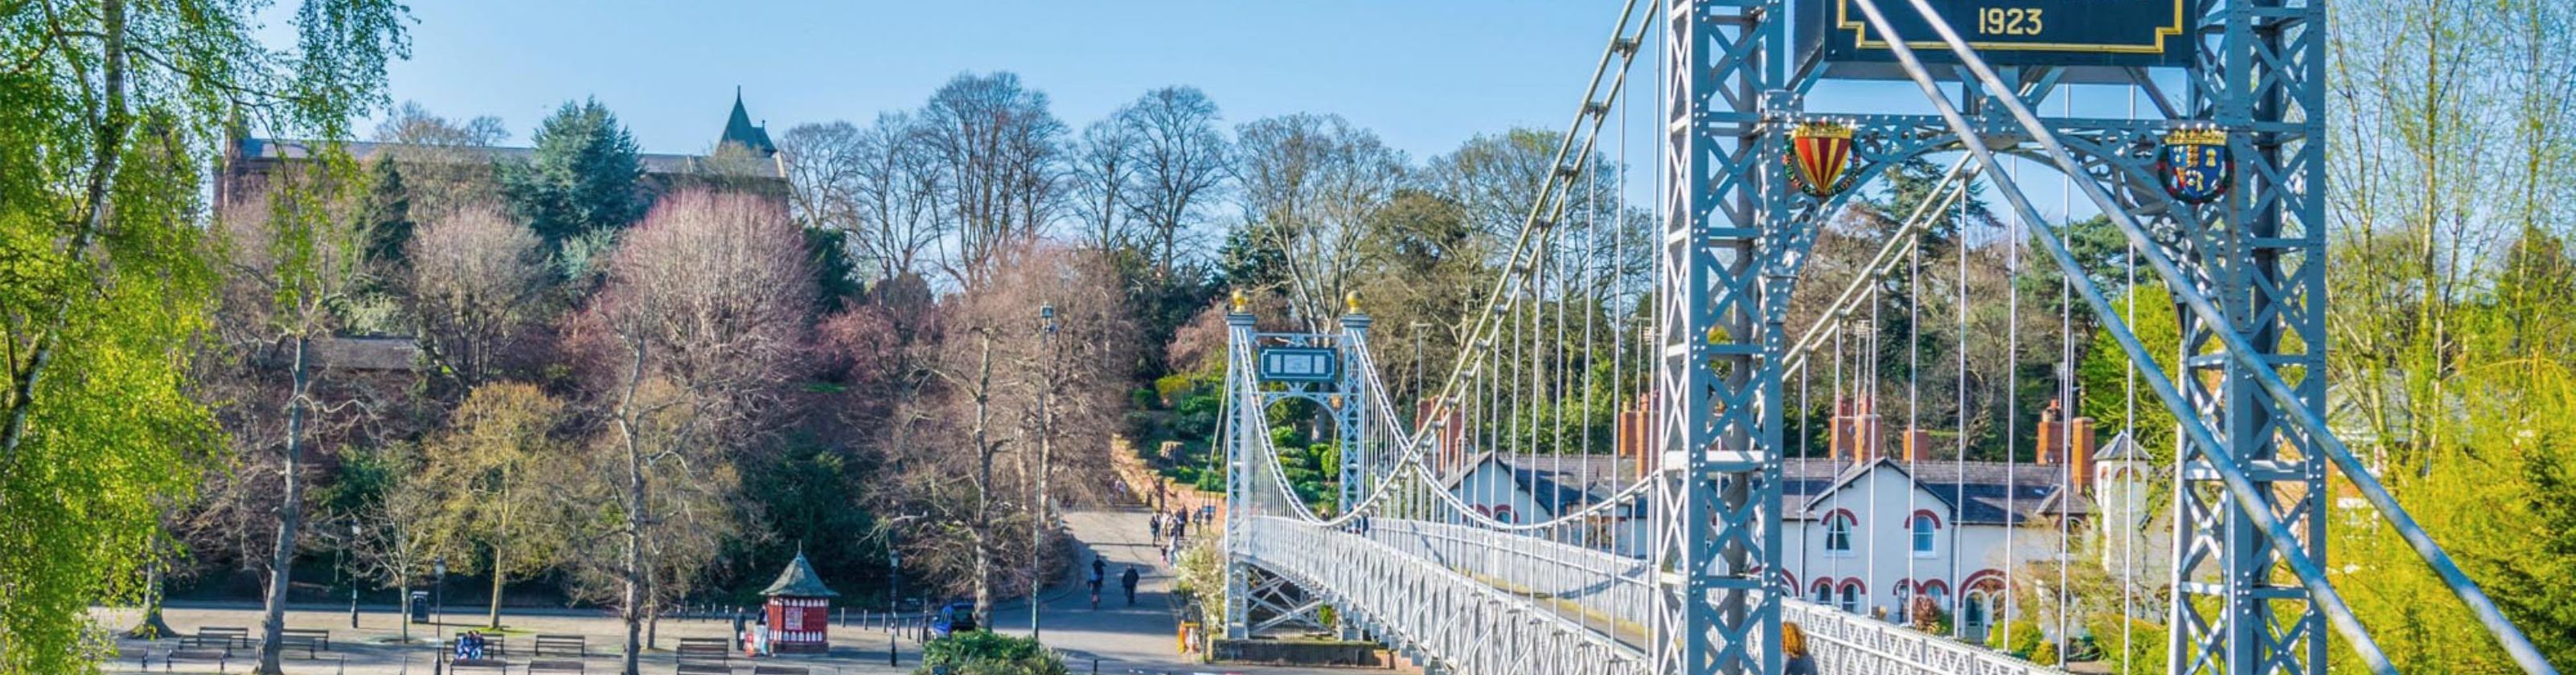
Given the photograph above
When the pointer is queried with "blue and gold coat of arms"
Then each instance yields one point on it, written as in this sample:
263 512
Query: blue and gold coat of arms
2195 165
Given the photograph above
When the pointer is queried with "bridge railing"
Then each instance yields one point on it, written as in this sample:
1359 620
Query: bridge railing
1842 642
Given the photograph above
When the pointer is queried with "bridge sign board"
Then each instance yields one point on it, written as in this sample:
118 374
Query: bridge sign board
2011 32
1300 364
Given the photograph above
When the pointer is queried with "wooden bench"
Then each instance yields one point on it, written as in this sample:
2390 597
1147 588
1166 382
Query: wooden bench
780 670
220 657
313 640
222 636
688 668
716 649
577 645
482 664
574 667
493 645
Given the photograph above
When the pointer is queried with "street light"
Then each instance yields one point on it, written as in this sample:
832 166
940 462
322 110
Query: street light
354 532
438 588
1046 447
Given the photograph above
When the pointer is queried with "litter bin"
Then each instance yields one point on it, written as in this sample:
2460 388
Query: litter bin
420 606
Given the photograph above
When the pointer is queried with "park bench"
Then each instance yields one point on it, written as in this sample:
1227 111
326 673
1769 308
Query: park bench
573 667
221 636
574 644
780 670
696 649
313 640
219 657
689 668
501 665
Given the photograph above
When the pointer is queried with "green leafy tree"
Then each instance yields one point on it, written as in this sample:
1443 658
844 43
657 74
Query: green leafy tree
584 178
988 653
105 281
387 214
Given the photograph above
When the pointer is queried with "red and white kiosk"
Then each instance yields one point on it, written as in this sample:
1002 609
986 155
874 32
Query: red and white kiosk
799 610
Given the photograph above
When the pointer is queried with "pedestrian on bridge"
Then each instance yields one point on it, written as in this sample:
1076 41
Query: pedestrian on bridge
1793 651
1154 527
1127 580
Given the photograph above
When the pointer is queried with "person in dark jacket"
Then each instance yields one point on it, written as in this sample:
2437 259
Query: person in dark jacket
1793 651
1127 580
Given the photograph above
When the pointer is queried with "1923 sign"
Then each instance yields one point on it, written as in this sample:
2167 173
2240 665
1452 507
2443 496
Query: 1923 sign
2014 32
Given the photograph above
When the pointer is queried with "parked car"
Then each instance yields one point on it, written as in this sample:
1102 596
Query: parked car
953 617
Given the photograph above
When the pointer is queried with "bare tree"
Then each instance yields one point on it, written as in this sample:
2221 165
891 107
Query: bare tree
876 183
1180 163
294 257
446 164
1103 176
692 337
1310 184
475 288
997 149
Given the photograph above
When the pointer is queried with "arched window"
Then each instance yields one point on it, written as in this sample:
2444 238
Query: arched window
1972 613
1924 526
1851 596
1838 533
1938 592
1824 593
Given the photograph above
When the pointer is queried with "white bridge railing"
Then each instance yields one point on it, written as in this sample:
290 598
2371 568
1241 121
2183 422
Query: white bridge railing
1471 599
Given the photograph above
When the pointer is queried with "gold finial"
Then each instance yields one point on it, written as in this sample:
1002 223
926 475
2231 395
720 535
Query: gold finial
1351 302
1239 302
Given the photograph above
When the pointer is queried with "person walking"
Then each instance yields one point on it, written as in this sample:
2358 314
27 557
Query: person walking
1154 527
1127 580
1793 647
1099 573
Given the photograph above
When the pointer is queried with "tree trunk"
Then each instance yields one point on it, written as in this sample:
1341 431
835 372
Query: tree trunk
404 589
637 575
984 487
152 627
495 619
290 516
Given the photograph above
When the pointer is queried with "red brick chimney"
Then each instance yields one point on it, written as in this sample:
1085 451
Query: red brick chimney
1856 436
1918 446
1637 436
1450 431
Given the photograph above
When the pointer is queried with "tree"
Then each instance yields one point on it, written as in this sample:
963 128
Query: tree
1310 183
1103 177
583 177
1180 159
296 260
689 341
476 287
445 164
996 148
108 282
487 457
387 214
395 536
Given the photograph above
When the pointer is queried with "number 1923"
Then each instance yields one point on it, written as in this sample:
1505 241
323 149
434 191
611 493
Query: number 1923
2008 21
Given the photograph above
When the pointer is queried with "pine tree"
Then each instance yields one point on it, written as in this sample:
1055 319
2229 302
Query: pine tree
387 216
584 177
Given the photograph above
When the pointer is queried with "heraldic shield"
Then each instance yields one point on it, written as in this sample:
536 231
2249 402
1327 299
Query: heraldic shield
1820 156
2195 165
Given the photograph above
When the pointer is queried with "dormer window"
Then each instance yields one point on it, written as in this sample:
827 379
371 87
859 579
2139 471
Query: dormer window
1838 533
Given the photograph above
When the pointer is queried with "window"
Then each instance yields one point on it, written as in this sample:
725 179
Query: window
1851 597
1838 534
1824 592
1925 525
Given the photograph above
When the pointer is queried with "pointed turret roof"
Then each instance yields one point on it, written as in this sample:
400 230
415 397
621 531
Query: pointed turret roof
739 130
800 581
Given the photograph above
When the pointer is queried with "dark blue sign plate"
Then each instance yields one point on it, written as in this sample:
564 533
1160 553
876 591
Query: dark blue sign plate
1300 364
2013 32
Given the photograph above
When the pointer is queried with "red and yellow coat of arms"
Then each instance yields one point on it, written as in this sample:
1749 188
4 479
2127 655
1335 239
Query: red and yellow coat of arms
2196 165
1820 158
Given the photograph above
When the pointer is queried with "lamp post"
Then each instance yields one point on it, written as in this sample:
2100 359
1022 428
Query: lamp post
1046 453
438 589
354 532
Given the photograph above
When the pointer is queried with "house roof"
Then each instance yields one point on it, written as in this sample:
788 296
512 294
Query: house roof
2121 448
1978 492
300 149
1561 483
799 581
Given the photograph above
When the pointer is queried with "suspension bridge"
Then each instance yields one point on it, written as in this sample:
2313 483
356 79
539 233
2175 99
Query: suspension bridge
1783 458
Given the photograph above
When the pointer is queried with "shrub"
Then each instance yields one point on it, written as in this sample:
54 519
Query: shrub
985 653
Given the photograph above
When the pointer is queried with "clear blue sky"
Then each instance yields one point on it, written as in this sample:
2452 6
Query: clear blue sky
1425 74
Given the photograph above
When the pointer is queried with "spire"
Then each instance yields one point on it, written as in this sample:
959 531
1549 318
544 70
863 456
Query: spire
740 131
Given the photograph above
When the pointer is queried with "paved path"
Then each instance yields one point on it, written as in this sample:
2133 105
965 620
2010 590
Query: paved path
1138 639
